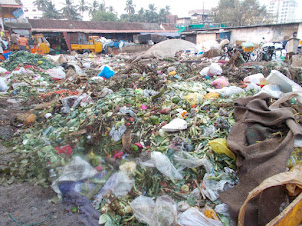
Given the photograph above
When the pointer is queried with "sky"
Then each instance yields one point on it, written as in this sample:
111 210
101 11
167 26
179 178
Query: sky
178 7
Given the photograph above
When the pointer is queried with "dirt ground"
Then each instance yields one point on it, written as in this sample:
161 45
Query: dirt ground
27 203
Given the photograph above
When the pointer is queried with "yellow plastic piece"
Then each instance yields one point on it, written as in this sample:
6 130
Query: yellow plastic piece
194 98
172 73
220 146
211 96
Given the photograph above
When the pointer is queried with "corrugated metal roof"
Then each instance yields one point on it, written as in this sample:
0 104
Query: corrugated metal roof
74 26
17 25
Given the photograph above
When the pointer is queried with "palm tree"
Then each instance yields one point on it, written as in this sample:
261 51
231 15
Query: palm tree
152 15
41 4
130 7
141 15
83 7
50 12
70 11
162 16
111 9
94 7
167 8
102 7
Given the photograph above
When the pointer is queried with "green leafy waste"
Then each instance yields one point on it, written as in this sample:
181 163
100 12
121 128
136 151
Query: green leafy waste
23 57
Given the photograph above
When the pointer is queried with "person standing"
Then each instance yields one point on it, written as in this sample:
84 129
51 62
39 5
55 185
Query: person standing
22 43
30 43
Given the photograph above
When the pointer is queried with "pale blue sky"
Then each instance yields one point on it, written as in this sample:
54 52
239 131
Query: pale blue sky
178 7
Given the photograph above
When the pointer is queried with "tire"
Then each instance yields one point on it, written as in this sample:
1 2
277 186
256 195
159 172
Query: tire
86 51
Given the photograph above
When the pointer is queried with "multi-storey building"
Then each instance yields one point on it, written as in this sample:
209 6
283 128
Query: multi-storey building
31 11
283 11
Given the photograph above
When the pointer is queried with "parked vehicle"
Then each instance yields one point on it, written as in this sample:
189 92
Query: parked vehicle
41 45
93 45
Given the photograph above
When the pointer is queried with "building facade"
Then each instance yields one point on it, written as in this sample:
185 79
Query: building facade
30 10
283 11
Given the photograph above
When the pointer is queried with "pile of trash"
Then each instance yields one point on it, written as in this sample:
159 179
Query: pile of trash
150 141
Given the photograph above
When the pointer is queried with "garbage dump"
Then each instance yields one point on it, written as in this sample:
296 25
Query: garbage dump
161 140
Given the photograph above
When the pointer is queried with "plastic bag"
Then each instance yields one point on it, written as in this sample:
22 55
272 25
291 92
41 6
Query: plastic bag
3 86
175 125
163 164
165 211
220 146
227 91
222 209
185 159
119 184
212 188
193 217
78 169
57 73
106 72
256 78
67 103
220 82
194 98
143 209
204 71
2 70
252 86
117 134
161 212
214 69
273 90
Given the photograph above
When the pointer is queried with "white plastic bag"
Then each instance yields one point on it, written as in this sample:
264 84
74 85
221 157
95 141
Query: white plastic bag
3 86
118 183
222 209
254 78
227 91
2 70
161 212
57 73
78 169
165 211
143 209
193 217
185 159
204 71
214 70
273 90
163 164
213 187
175 125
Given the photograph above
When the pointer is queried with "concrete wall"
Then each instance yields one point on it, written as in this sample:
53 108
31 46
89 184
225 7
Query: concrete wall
254 34
300 31
205 37
270 33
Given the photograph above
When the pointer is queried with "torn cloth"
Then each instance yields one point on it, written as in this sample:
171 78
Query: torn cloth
263 139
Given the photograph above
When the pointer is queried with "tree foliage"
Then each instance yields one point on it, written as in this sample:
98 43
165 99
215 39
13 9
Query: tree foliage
50 11
103 16
149 15
240 13
70 11
83 7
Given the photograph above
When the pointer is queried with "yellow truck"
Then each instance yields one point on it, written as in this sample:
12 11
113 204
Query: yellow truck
41 45
94 45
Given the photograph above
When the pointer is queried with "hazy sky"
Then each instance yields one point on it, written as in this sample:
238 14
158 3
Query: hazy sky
178 7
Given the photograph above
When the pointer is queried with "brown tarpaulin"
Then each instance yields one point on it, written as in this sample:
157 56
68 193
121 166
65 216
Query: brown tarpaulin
263 139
